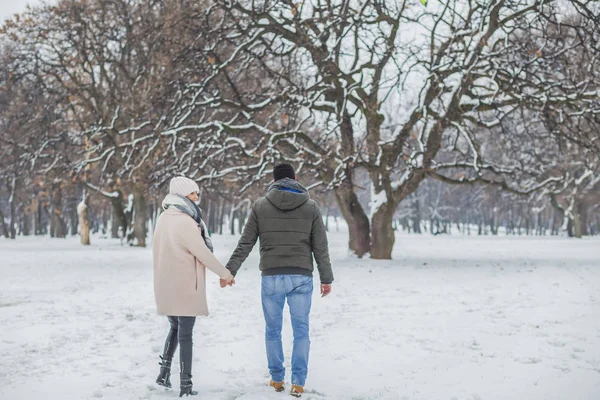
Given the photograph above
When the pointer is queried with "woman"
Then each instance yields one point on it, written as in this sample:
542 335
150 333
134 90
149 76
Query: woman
182 250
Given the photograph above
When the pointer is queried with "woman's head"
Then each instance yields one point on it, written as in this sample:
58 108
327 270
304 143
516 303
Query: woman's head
184 187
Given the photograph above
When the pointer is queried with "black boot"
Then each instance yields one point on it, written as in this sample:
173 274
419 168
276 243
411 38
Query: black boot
164 377
186 385
186 325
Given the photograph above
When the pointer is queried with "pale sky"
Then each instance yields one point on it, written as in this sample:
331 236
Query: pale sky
9 7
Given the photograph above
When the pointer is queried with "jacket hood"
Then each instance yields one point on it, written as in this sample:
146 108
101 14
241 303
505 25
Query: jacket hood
287 194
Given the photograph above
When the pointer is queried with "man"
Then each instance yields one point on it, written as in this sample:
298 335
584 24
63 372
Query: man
291 230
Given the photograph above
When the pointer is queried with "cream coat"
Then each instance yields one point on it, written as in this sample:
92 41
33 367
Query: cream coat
180 261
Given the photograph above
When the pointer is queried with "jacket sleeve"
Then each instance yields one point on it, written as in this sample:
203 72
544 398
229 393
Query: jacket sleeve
245 244
320 247
195 244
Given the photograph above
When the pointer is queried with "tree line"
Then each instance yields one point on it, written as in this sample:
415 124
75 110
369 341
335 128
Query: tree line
388 109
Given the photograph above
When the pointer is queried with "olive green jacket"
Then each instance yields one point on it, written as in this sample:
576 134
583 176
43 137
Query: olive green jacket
291 230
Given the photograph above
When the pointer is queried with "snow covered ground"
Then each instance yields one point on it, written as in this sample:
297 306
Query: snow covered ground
450 318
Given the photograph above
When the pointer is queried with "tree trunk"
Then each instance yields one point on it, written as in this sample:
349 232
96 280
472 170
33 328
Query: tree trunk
74 219
84 223
570 230
12 203
382 232
358 222
37 218
469 224
242 220
579 221
26 226
58 227
140 218
3 225
119 219
105 219
417 216
13 221
221 215
578 226
232 214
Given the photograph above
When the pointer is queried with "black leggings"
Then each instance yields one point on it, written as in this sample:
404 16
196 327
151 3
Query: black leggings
181 332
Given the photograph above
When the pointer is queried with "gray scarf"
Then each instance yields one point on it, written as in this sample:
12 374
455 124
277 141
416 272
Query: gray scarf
190 208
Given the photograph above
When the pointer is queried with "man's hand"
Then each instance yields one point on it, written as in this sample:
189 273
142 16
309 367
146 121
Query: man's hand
227 282
325 289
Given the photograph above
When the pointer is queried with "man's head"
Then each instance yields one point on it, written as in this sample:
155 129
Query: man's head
282 171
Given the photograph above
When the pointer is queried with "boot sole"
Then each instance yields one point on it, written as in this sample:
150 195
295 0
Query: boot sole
164 385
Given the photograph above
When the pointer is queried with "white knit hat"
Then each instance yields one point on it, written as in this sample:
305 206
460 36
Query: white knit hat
182 186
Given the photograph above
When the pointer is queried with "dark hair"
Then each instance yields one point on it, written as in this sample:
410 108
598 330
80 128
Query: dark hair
282 171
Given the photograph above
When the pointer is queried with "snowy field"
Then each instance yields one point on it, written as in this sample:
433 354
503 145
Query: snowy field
477 318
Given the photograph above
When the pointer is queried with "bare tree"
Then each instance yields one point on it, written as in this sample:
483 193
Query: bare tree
396 89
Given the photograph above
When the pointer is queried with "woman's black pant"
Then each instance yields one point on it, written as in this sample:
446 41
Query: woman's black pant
181 332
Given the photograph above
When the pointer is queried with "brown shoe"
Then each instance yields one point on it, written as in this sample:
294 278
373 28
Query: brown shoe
278 386
297 391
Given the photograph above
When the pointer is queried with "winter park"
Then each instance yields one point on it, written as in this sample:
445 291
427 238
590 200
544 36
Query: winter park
326 200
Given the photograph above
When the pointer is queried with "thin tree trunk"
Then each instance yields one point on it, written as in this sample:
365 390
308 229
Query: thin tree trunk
221 215
242 220
84 223
58 227
4 227
26 226
140 218
74 219
417 216
469 224
12 204
232 215
37 221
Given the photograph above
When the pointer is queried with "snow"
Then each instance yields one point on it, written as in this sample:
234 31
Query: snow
452 317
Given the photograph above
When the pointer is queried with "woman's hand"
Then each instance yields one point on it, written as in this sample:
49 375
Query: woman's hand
227 282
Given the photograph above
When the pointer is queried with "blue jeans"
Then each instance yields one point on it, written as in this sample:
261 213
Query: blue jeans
298 290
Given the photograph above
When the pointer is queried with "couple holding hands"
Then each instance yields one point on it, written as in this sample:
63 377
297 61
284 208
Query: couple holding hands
291 231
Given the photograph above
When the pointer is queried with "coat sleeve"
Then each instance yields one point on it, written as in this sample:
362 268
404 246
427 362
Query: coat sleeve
320 247
245 244
194 242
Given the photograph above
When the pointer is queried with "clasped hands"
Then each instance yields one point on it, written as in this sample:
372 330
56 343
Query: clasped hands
227 282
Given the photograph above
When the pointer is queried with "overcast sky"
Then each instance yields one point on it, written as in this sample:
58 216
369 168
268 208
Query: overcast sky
9 7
